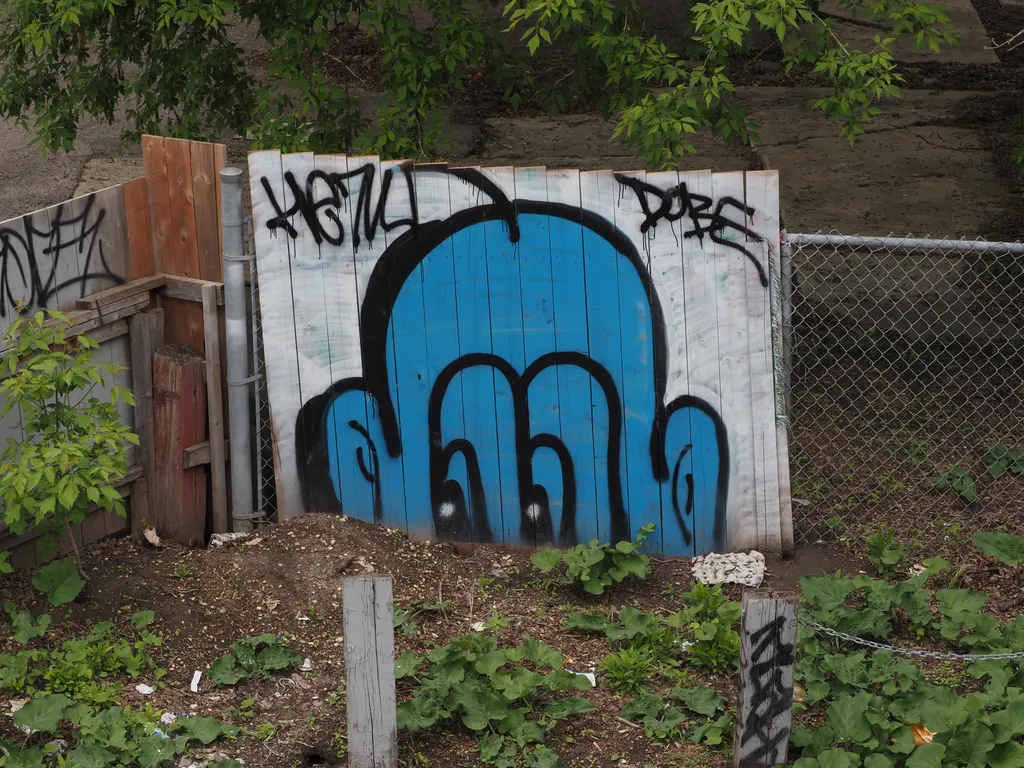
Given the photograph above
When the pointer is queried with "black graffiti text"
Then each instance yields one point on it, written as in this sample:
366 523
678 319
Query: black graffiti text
321 212
31 256
770 696
677 202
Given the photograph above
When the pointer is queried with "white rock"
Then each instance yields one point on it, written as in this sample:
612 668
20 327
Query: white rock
144 689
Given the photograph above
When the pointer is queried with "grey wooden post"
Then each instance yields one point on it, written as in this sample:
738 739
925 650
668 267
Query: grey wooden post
764 713
370 667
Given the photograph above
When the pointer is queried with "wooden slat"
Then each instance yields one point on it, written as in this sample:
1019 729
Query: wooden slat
207 205
183 216
85 320
119 292
147 336
199 454
178 496
370 672
189 289
155 161
104 252
140 234
215 408
767 657
220 161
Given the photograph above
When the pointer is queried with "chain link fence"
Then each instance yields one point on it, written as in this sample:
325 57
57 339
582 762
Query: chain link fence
265 496
905 365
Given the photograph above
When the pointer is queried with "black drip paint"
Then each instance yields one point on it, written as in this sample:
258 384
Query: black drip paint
696 207
37 266
769 697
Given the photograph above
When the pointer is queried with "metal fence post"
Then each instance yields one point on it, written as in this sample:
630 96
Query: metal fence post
786 269
237 340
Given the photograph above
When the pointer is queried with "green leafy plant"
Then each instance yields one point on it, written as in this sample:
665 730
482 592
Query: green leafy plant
879 709
627 670
663 720
74 448
1007 548
958 479
506 696
885 553
258 656
709 624
59 581
1000 460
182 570
594 566
5 563
405 618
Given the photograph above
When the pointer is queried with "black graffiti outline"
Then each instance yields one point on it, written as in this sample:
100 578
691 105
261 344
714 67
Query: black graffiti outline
768 688
696 206
398 263
308 206
41 281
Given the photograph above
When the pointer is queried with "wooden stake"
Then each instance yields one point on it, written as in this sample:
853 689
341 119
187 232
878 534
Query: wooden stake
215 403
767 656
370 665
146 335
178 495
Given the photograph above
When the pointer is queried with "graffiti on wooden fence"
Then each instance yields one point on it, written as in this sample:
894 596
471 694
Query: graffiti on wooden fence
520 356
49 258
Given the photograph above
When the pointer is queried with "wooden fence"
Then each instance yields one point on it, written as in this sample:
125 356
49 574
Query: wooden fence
138 267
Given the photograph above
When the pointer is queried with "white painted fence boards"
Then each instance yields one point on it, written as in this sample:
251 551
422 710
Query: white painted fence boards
694 254
370 672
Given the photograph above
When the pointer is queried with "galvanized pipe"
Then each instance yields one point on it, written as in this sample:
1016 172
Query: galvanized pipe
237 342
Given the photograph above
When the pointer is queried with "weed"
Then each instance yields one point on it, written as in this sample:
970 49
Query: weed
885 553
628 670
182 570
339 744
405 618
265 732
244 709
595 566
958 479
258 656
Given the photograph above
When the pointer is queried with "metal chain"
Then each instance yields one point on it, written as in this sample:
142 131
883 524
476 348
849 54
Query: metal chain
910 651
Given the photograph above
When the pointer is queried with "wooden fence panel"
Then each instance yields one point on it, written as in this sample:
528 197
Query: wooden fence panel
523 356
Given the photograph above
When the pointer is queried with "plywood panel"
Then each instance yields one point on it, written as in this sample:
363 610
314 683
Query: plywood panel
519 355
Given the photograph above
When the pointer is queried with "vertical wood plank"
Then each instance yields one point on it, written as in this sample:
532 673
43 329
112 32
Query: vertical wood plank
178 495
506 319
220 162
154 159
543 508
636 335
215 406
206 205
732 271
138 511
370 673
146 336
102 235
272 254
184 236
575 396
598 194
767 657
762 200
55 233
140 233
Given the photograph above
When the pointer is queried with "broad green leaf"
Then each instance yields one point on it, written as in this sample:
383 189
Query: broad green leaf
490 663
636 623
490 746
31 757
59 581
479 704
407 664
1008 755
592 622
571 705
1008 723
43 713
91 755
647 705
846 715
546 560
542 655
143 619
207 729
417 714
223 672
838 758
543 757
970 745
155 750
700 699
275 658
518 683
927 756
1007 548
877 761
826 592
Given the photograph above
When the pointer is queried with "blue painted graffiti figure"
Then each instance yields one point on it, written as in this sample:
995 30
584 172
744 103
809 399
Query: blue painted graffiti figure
513 391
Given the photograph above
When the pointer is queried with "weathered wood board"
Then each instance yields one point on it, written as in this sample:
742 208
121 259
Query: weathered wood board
523 356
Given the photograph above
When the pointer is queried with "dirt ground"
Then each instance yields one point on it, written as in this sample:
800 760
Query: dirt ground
289 577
